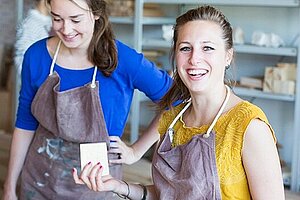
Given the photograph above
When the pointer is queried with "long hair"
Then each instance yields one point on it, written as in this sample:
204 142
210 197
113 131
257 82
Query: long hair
178 90
102 50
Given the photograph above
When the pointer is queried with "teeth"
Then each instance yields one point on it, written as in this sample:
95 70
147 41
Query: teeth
195 72
69 36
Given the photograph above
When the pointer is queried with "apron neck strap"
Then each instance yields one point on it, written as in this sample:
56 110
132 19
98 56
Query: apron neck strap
206 135
170 130
54 58
93 84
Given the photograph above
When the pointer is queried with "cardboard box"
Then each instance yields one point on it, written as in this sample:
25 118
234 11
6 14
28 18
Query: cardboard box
286 71
252 82
284 87
280 79
126 8
121 7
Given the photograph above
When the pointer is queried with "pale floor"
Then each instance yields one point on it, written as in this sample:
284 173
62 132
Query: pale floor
139 172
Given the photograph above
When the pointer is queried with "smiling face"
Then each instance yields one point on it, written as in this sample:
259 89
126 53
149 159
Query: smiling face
201 55
73 22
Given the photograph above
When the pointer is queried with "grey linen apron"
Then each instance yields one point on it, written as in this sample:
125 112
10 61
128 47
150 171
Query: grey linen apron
187 171
66 119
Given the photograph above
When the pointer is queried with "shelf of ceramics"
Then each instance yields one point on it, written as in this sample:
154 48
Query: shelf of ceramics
254 93
271 3
249 49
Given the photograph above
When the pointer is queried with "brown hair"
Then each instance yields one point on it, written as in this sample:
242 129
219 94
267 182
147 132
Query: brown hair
178 90
102 50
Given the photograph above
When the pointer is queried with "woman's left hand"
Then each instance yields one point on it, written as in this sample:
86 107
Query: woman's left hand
91 176
126 153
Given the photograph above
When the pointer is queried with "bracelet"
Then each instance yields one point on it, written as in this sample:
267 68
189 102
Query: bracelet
128 192
144 192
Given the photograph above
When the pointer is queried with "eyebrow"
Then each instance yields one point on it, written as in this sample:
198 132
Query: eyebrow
57 15
203 42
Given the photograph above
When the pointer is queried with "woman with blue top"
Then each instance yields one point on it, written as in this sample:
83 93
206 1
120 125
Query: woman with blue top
77 87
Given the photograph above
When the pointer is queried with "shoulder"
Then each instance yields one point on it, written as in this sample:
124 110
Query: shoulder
238 120
246 110
123 48
37 47
127 54
37 60
253 119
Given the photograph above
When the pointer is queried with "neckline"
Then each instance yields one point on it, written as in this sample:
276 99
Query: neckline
170 130
221 118
59 66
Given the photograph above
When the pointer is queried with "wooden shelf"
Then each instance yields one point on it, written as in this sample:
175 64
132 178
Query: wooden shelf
121 20
263 95
273 3
249 49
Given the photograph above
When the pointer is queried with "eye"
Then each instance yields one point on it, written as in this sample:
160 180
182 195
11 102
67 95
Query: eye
75 21
208 48
56 19
185 49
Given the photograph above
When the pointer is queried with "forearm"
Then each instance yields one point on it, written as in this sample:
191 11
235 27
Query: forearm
148 138
18 150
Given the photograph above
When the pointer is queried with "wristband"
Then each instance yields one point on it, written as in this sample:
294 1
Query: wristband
144 192
128 192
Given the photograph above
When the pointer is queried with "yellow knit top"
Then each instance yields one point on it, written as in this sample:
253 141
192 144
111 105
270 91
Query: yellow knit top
230 130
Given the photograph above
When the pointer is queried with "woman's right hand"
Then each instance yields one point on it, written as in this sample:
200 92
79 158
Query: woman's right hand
91 176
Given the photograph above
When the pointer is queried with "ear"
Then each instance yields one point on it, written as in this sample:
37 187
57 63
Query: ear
229 56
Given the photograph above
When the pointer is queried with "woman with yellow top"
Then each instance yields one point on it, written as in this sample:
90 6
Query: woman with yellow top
215 145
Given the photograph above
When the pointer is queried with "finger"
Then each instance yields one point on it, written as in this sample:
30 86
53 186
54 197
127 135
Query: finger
76 178
92 176
99 170
116 161
114 138
106 177
85 173
114 151
114 145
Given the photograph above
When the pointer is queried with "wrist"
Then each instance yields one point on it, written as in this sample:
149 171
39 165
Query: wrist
9 187
137 154
123 189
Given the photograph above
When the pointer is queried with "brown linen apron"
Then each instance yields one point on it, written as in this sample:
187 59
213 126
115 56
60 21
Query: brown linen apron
66 119
187 171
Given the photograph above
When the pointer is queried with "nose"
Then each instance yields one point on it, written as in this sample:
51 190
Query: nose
195 57
66 27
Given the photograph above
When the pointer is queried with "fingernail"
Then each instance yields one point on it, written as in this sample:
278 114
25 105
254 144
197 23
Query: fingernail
100 166
89 162
98 163
73 170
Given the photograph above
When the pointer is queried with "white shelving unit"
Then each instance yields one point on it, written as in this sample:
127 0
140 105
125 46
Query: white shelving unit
142 41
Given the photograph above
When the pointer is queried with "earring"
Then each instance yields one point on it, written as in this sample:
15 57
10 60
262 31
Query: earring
227 67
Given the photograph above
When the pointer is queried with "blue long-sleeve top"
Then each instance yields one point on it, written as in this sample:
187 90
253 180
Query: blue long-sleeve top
133 71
